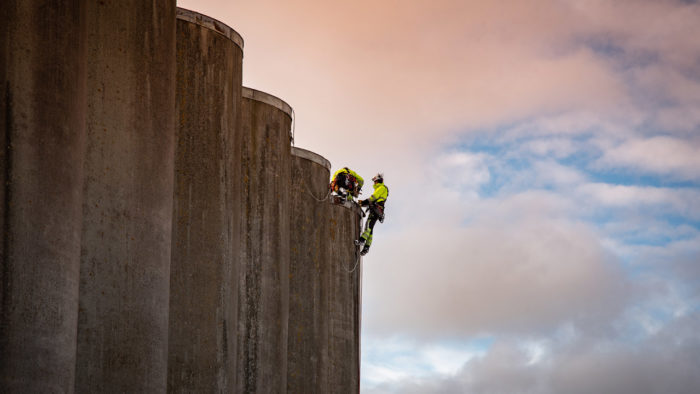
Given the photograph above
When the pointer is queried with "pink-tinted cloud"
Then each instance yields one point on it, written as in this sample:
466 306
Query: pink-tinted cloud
384 69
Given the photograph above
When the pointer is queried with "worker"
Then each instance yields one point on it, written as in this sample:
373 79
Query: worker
376 211
347 183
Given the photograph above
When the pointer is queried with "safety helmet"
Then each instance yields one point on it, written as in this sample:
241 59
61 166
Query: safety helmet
378 178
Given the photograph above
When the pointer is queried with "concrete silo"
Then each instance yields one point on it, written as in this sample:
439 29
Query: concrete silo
42 129
128 192
264 253
309 290
206 207
345 276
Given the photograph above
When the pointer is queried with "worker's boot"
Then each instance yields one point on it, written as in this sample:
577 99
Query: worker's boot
366 235
367 238
364 250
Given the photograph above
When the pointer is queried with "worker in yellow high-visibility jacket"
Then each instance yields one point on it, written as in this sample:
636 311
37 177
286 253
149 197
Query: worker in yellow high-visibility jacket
376 211
347 183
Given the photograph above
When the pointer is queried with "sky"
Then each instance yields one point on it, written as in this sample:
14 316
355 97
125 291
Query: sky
543 161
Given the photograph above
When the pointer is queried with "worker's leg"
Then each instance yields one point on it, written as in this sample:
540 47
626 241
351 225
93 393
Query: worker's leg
368 243
367 235
372 220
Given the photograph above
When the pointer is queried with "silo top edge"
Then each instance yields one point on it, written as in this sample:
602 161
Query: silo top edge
311 156
267 98
211 24
352 206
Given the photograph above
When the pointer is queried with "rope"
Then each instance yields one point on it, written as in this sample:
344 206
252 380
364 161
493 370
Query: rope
357 261
314 197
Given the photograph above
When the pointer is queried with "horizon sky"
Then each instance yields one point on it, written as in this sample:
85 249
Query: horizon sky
543 159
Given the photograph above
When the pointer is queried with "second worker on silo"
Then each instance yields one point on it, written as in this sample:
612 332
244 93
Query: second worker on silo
376 211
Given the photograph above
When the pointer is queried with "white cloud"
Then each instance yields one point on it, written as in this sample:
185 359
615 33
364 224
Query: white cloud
677 201
674 157
462 171
544 174
496 275
665 362
557 148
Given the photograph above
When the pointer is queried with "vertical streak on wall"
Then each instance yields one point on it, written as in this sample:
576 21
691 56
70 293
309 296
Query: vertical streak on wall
307 348
128 191
206 212
264 269
344 319
42 137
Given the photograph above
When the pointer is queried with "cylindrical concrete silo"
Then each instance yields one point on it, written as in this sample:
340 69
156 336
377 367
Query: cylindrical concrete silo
128 192
264 254
345 276
206 210
42 132
307 348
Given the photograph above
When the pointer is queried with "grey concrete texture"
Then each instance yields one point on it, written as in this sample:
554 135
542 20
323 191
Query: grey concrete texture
42 129
128 192
206 210
309 284
345 277
264 253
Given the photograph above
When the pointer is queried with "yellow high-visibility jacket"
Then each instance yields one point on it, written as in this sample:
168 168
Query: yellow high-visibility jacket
381 193
346 170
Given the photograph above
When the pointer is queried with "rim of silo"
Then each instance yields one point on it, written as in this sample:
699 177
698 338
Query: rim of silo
311 156
211 24
351 206
267 98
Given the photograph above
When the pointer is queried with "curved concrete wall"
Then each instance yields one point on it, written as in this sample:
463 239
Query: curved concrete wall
309 292
264 269
128 191
151 208
206 210
343 367
42 129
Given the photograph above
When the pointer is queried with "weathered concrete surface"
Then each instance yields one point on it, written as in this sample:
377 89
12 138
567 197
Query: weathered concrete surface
345 295
42 134
264 270
309 291
206 211
128 191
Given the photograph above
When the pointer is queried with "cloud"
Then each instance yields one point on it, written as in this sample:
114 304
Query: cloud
557 148
499 274
680 202
679 159
402 73
663 363
462 171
